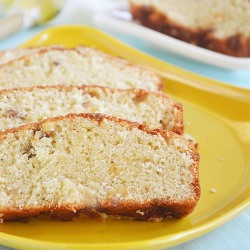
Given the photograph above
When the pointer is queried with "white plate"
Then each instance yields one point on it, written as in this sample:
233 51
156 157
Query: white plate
106 20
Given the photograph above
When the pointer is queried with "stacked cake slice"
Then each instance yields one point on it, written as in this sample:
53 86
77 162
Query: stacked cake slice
83 131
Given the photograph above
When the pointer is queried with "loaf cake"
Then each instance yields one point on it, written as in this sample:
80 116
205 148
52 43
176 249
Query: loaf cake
76 66
221 26
91 162
31 104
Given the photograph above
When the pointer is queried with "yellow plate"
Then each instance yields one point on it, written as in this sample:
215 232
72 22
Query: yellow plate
217 115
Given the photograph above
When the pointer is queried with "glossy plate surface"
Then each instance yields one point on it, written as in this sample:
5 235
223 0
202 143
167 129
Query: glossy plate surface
216 114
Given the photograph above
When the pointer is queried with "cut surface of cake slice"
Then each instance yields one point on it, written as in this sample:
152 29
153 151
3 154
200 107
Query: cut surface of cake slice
32 104
90 162
76 66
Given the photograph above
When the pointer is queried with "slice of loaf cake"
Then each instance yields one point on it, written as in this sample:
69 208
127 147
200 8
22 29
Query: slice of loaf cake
25 105
222 26
91 162
77 66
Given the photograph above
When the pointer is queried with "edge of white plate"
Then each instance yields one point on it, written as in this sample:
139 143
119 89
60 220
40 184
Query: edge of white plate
105 20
